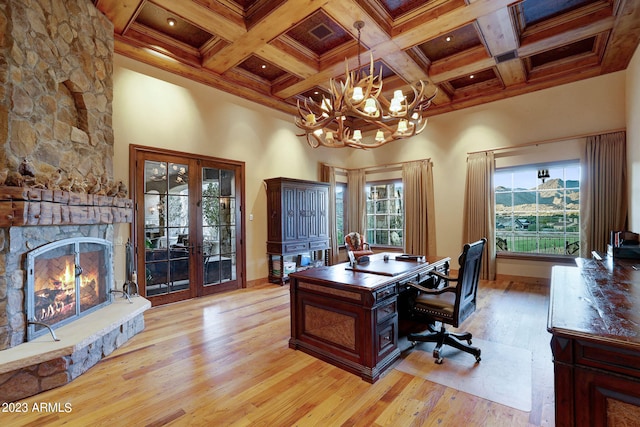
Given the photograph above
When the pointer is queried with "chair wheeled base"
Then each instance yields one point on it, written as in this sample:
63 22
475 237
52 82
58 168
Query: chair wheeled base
443 337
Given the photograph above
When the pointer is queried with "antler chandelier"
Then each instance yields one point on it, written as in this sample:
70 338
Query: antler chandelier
359 99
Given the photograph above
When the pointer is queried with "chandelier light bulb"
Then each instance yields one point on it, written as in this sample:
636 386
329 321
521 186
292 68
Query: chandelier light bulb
379 136
357 135
370 106
318 131
395 105
311 119
358 95
402 126
329 136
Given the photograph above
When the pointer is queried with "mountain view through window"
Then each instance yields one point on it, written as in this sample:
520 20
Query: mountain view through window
538 215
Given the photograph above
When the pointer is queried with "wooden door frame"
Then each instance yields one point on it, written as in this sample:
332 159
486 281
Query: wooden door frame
136 178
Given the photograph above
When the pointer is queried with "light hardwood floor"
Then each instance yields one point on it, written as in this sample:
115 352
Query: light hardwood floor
224 360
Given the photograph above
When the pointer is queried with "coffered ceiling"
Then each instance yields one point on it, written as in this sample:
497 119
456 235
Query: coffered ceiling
274 52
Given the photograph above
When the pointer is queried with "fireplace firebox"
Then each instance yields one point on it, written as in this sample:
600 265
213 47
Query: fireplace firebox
66 279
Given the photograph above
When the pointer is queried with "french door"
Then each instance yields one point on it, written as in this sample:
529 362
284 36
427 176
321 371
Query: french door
188 224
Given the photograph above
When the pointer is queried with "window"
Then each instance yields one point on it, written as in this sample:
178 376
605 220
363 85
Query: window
341 198
538 215
385 213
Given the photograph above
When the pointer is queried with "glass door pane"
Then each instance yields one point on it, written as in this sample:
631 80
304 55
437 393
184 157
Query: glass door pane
218 226
166 227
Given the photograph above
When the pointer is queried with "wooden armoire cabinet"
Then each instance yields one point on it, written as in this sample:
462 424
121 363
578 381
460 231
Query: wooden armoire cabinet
297 222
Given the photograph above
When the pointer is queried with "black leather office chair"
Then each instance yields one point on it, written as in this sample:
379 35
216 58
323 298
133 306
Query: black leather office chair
449 304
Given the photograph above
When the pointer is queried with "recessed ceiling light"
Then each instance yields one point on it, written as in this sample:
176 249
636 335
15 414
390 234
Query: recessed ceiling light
448 38
171 22
263 66
471 76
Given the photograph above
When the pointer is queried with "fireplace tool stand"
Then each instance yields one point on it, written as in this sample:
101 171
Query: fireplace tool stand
130 286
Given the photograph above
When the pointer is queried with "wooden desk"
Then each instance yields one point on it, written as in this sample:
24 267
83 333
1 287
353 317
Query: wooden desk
594 317
349 317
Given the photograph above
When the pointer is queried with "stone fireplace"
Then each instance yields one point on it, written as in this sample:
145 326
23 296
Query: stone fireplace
56 183
66 280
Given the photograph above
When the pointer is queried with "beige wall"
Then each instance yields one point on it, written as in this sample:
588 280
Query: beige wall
633 138
155 108
158 109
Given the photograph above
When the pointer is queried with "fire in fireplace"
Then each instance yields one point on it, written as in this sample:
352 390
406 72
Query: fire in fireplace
66 279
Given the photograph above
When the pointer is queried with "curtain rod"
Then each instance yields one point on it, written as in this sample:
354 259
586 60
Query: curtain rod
371 168
547 141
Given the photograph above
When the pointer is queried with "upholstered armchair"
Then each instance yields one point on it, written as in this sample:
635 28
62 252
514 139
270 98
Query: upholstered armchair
449 304
356 243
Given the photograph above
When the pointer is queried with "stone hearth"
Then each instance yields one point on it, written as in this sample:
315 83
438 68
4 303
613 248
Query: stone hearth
43 364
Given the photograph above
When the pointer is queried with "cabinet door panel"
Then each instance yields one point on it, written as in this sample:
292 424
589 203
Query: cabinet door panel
289 209
322 214
604 399
305 206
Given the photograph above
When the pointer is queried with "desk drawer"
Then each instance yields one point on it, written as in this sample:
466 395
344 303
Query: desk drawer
386 292
386 310
386 337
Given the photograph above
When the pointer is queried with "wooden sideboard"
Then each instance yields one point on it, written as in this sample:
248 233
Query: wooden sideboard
349 317
594 319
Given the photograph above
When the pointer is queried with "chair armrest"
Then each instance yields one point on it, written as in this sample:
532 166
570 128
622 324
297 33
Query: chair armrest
443 276
366 246
437 291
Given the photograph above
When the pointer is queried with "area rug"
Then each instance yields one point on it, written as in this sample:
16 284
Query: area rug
502 376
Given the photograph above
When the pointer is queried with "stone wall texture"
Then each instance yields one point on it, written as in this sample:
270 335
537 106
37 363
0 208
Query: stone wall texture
56 89
56 92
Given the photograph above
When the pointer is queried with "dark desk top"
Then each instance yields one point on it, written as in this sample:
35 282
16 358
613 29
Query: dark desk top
373 275
597 300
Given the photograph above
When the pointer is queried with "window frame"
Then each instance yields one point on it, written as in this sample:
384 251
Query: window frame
566 190
371 232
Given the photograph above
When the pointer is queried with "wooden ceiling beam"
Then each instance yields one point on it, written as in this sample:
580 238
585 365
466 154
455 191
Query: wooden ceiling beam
284 60
624 37
120 12
499 36
275 23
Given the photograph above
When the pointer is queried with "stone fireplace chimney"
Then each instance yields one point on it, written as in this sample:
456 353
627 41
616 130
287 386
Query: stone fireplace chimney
56 170
56 92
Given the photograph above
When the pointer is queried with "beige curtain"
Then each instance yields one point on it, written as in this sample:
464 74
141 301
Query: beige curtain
329 175
356 210
479 208
419 221
604 191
